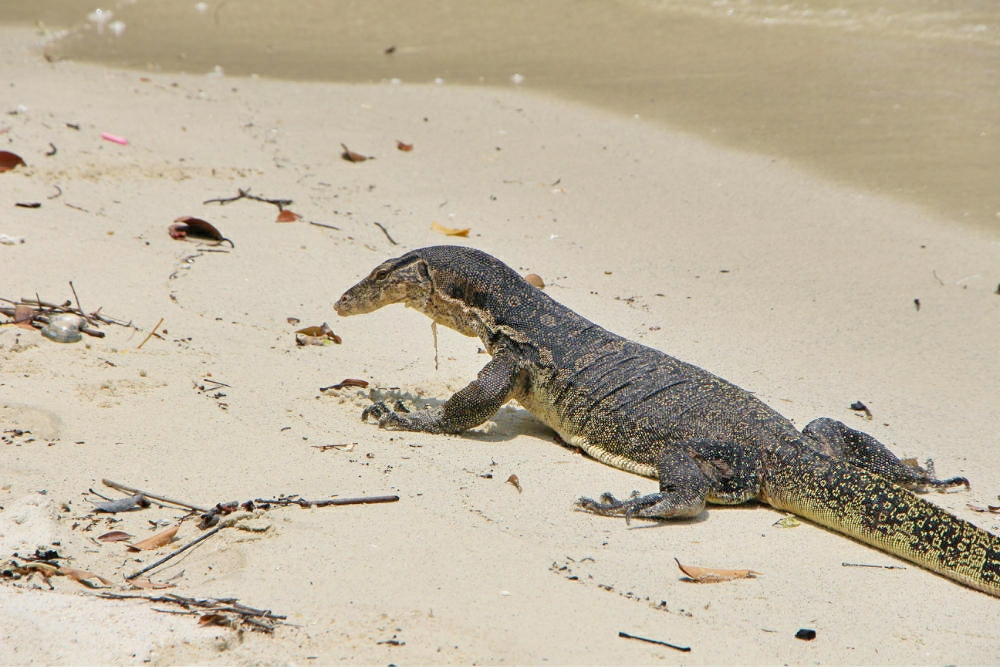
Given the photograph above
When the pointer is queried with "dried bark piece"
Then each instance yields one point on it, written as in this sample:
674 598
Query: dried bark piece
288 216
711 575
122 504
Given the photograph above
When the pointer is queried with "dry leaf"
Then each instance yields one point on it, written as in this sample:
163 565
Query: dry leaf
351 156
710 575
147 584
9 160
788 522
406 148
114 536
515 481
83 576
288 216
23 314
535 279
187 225
322 334
156 541
448 231
348 382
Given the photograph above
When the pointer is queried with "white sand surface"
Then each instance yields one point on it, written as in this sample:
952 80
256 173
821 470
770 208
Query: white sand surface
797 289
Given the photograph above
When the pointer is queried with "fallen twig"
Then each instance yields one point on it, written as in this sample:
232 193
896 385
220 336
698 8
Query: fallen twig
245 194
323 224
260 619
153 496
176 552
285 501
655 641
152 332
882 567
386 232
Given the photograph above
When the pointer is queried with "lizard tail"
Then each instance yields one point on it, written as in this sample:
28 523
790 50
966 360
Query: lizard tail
888 517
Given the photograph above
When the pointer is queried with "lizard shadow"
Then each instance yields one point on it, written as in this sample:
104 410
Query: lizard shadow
512 421
509 422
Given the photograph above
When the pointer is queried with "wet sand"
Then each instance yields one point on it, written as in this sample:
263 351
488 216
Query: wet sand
901 99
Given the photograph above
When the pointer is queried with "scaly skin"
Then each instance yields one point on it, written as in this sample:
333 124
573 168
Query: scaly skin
633 407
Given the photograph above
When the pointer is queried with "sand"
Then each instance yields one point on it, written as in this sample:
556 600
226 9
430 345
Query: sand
798 289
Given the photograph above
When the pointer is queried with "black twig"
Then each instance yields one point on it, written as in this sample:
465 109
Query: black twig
170 555
245 194
655 641
386 232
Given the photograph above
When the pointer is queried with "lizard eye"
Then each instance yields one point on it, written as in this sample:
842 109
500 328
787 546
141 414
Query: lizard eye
380 275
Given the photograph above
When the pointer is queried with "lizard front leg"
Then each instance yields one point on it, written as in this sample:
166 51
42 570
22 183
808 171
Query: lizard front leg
691 473
467 408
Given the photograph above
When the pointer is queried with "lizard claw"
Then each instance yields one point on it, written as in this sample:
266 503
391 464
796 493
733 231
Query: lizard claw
376 410
386 417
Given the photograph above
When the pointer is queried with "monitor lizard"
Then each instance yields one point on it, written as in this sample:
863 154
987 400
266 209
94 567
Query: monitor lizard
638 409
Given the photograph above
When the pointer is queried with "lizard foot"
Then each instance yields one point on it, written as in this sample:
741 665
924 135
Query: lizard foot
386 417
651 506
924 477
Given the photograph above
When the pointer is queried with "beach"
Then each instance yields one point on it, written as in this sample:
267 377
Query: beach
809 291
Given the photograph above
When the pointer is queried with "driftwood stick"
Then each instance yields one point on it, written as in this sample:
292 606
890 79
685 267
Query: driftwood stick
174 553
152 332
153 496
302 502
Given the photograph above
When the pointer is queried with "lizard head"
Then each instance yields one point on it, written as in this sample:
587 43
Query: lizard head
403 279
450 284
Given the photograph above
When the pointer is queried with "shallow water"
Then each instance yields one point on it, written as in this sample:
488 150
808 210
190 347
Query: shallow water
901 97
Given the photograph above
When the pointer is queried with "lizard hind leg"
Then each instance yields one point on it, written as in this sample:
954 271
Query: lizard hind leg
691 474
840 441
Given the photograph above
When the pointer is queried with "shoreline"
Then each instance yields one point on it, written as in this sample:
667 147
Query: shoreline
870 101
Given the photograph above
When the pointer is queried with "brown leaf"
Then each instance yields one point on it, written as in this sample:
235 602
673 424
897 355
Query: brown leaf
348 382
535 279
156 541
83 576
711 575
114 536
288 216
406 148
147 584
515 481
449 231
351 156
187 225
9 160
23 314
